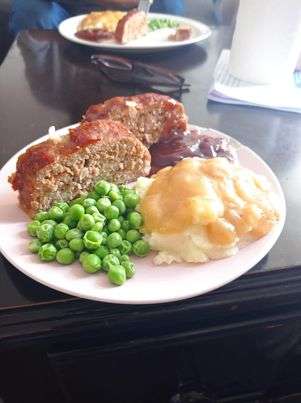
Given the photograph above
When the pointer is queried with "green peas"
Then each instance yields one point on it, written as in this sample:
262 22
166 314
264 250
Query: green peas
135 220
133 235
41 216
65 256
141 248
47 252
70 221
89 202
125 247
45 233
104 237
102 251
50 222
120 205
91 263
124 258
131 199
123 189
109 260
86 222
114 225
100 228
116 252
74 233
76 244
98 217
76 211
32 227
97 227
91 210
78 200
83 255
34 246
129 268
114 187
103 203
62 205
111 212
117 275
125 225
122 233
92 240
60 230
61 243
113 195
113 240
93 195
55 213
102 187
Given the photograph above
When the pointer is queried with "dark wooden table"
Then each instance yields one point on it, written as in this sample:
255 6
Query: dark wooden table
239 342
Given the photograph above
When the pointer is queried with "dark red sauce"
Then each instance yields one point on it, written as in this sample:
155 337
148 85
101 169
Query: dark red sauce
95 35
191 143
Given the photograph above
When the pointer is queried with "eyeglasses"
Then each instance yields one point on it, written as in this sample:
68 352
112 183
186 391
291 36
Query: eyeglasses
127 71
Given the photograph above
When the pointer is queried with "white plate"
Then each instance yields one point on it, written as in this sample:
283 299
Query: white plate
151 284
152 42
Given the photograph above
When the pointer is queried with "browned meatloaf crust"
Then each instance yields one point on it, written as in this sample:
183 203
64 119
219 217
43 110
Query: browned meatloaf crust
149 117
63 168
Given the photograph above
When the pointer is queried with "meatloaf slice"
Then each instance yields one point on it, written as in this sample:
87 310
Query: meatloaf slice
132 26
64 168
149 117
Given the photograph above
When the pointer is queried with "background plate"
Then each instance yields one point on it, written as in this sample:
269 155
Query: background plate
152 42
152 284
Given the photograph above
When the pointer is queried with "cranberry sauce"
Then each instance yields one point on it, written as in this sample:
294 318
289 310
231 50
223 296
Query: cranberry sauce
191 143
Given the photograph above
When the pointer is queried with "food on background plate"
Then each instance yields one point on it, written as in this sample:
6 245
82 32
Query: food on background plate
107 25
159 23
99 25
107 20
149 117
101 230
124 27
182 34
132 26
204 209
62 168
95 35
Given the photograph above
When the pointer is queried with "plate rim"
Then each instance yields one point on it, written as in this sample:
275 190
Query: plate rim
276 232
164 46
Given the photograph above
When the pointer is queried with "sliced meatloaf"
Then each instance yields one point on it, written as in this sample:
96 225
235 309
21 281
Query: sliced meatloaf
66 167
132 26
149 117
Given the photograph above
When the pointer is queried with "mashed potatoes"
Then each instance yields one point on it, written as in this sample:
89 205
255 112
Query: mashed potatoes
203 209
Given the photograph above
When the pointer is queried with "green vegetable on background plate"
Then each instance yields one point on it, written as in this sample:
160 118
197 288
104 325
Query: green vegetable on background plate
159 23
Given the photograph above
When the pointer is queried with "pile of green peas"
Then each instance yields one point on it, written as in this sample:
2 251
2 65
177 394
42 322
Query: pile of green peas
101 229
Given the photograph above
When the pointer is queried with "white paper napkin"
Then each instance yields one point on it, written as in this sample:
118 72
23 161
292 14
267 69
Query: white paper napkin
284 96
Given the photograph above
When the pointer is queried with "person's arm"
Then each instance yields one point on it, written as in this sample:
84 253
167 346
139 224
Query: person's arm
106 3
